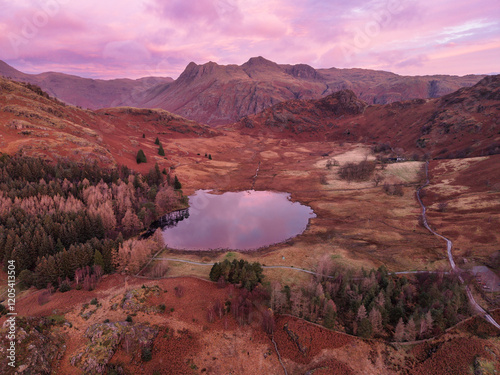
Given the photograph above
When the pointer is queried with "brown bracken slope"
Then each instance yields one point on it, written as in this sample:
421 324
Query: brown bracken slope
34 124
463 123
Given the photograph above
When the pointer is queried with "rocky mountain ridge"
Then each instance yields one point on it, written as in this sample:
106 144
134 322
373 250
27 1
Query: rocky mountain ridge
222 94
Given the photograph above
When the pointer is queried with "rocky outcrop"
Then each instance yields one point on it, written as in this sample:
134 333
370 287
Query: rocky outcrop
306 116
105 339
38 346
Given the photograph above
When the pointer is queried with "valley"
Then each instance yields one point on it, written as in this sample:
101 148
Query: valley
361 224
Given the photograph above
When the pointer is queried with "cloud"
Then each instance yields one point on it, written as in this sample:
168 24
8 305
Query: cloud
419 61
134 38
126 50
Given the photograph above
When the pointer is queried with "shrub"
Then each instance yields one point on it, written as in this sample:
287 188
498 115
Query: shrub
361 171
442 206
129 319
93 301
382 147
162 307
65 287
146 354
394 189
331 163
141 157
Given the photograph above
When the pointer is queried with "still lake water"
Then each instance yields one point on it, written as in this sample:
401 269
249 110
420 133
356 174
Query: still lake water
237 220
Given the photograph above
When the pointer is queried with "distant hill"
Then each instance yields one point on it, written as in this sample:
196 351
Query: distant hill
222 94
84 92
34 124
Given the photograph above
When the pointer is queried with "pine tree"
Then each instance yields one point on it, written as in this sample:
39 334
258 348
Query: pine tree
177 184
376 320
361 313
157 141
399 333
98 259
131 222
365 328
215 272
141 157
411 330
330 315
161 151
209 156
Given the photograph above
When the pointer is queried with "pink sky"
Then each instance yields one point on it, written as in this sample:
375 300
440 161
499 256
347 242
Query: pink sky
133 38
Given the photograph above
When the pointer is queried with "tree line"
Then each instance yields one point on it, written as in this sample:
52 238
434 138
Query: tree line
375 303
56 218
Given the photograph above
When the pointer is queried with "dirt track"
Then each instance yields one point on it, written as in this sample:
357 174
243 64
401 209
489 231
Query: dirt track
449 246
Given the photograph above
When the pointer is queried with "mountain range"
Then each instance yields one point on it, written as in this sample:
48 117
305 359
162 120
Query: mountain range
222 94
463 123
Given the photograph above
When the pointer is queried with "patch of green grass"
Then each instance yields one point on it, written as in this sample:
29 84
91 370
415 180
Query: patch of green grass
230 255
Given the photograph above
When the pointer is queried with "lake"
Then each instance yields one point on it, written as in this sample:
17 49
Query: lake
243 220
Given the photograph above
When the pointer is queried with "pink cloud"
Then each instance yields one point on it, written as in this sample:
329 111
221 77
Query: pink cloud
108 39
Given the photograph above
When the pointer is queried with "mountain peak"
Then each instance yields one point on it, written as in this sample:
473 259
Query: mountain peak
194 70
259 60
258 65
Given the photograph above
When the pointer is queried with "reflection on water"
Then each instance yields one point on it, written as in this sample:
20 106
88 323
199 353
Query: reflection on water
169 220
241 221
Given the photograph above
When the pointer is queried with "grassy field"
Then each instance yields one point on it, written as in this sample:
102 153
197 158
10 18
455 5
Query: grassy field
357 222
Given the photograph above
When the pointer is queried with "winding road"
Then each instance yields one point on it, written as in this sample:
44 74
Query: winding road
284 267
449 245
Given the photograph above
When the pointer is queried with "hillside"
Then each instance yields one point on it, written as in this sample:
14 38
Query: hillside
459 124
123 327
34 124
84 92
